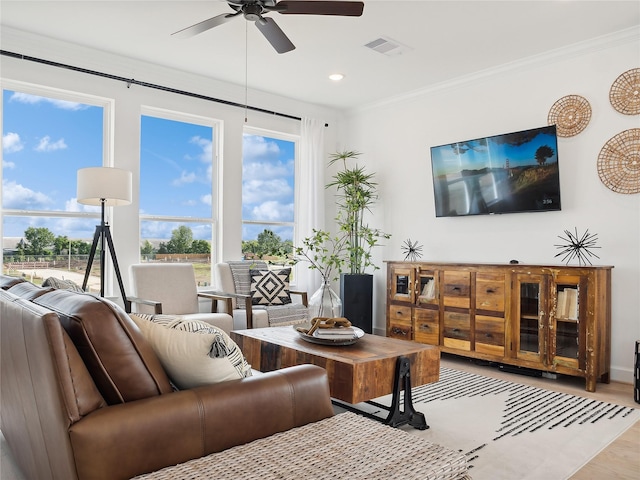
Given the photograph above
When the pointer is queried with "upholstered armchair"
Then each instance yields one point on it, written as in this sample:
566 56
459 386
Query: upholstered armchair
258 300
170 288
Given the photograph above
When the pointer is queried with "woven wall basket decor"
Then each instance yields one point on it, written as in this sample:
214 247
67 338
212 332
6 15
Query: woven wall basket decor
625 92
570 115
619 162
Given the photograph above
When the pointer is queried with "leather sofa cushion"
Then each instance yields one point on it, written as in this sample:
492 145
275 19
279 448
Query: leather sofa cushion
121 362
27 290
7 282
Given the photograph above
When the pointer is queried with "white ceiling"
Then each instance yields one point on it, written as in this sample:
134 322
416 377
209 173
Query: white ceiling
446 40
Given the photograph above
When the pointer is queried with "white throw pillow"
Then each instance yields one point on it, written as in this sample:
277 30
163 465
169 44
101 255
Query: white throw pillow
192 353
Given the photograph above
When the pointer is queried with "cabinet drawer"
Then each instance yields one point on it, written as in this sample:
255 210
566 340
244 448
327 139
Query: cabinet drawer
401 331
490 335
490 291
456 289
427 326
457 330
400 314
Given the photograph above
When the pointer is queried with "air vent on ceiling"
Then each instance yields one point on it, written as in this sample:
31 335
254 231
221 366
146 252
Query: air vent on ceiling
387 46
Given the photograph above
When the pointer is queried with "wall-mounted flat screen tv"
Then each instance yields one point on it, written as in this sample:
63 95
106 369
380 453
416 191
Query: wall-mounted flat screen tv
508 173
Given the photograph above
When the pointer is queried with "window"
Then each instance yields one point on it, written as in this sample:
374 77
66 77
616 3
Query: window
47 136
268 192
177 174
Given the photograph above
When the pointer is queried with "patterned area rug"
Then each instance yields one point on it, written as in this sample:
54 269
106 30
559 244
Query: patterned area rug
512 431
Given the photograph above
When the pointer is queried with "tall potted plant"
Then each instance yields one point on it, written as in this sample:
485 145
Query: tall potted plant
356 194
324 253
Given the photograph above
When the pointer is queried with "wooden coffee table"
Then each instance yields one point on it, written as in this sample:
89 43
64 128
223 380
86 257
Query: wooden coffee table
372 367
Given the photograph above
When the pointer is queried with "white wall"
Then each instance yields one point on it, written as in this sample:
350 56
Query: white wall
129 102
395 138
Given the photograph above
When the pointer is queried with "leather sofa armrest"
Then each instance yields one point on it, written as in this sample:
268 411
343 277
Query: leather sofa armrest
157 306
126 440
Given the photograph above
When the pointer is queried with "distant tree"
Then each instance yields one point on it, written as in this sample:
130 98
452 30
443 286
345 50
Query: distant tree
61 244
80 247
543 153
181 239
250 246
200 246
39 241
162 248
268 243
147 248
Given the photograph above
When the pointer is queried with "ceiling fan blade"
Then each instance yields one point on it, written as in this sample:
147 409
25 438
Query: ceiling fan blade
313 7
274 35
205 25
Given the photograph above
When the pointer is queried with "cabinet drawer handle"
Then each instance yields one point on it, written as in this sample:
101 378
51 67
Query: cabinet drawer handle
456 289
399 331
425 326
490 290
399 312
455 330
488 335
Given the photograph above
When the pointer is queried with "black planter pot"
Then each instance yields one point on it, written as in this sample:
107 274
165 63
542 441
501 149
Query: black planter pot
356 293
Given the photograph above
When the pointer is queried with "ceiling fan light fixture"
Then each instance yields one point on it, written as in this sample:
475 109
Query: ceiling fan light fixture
336 77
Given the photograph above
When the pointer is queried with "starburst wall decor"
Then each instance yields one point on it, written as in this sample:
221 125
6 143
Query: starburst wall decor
578 246
412 251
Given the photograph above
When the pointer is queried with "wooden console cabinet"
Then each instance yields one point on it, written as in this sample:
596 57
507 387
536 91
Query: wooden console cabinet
549 318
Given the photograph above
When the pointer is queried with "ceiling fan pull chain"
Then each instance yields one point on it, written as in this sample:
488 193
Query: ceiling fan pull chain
246 70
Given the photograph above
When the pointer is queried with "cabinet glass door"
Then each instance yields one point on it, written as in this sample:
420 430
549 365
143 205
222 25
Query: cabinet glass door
427 287
565 331
402 283
531 317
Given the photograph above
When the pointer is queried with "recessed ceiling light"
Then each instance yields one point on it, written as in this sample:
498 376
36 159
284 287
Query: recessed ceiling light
336 77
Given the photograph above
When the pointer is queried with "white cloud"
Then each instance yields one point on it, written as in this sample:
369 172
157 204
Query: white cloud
206 146
34 100
254 147
45 145
72 205
6 164
206 199
272 211
17 197
11 143
185 178
263 170
255 191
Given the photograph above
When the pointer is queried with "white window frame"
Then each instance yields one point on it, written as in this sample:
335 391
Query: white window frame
107 105
216 186
295 139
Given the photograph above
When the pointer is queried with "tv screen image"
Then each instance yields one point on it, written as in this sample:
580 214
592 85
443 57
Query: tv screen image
508 173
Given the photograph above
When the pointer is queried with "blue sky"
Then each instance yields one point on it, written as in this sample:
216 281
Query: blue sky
267 184
519 147
45 142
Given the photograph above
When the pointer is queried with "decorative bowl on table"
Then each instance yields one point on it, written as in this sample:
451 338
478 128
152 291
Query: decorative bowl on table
357 334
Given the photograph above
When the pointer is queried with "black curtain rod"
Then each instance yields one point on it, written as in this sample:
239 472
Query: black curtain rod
131 81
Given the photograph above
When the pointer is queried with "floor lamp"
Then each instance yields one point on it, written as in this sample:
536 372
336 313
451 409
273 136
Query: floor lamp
104 186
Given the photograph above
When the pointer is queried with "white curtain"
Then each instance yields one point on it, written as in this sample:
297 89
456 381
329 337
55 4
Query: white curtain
310 195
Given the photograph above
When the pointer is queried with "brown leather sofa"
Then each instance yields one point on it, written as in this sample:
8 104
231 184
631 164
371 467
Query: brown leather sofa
84 396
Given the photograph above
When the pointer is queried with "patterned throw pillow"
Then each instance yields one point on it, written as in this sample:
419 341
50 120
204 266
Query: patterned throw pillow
193 353
270 287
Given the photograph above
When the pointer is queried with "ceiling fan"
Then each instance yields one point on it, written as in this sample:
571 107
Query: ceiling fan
253 10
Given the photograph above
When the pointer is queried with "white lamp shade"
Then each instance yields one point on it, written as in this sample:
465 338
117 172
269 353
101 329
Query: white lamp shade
111 184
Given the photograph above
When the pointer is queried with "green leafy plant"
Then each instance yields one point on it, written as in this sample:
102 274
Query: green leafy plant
324 253
356 193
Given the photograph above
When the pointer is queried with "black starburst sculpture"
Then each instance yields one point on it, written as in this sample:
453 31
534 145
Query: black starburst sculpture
412 251
578 246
